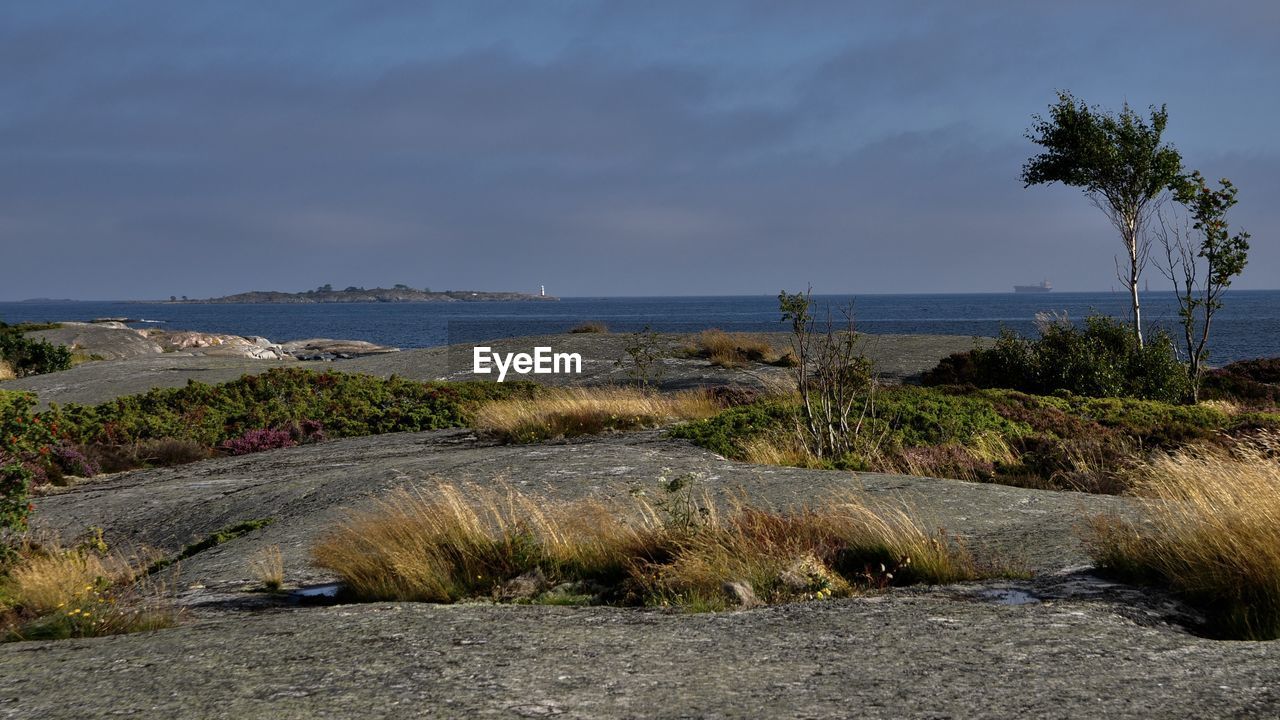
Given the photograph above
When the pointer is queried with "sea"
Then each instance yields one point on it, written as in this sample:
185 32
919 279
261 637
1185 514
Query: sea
1247 327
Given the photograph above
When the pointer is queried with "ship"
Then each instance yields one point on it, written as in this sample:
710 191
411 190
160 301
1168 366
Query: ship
1043 287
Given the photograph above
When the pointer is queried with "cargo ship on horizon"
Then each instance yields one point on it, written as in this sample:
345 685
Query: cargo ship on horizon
1044 287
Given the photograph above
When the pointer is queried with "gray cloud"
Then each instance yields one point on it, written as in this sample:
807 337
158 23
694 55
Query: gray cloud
152 149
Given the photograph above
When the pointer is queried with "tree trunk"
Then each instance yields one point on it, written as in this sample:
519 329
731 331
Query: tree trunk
1131 243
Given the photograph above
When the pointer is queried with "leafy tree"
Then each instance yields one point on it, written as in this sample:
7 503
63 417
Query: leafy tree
1201 260
1119 161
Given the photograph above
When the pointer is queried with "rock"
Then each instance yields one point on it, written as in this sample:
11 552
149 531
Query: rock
255 348
740 593
106 341
524 587
330 349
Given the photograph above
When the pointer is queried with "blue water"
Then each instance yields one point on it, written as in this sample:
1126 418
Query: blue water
1249 325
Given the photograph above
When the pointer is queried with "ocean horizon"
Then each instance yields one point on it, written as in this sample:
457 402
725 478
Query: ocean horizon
1247 327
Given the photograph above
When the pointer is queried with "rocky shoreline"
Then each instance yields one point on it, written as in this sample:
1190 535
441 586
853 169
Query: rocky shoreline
1062 642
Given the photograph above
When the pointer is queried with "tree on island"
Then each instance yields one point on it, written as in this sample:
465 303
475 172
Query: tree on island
1119 162
1202 257
325 288
401 286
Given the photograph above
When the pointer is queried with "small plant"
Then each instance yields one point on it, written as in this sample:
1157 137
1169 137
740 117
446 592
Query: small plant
835 381
31 357
267 566
645 350
683 502
590 327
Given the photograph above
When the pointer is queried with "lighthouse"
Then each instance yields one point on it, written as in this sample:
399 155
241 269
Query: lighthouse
542 290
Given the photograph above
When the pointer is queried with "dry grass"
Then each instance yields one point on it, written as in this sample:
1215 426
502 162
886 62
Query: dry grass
593 326
587 411
468 542
6 371
55 593
780 448
267 565
1210 531
733 350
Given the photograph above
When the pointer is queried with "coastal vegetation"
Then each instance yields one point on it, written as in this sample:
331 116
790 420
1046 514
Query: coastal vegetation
1096 360
1208 530
49 592
736 350
279 408
679 549
21 356
571 412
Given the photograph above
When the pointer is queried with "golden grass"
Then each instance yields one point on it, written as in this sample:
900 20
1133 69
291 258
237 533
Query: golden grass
267 565
1209 529
469 542
6 371
780 448
586 411
55 593
732 350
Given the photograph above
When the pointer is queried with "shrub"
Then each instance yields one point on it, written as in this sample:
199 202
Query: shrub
1208 531
591 327
1098 360
31 357
257 441
343 405
27 446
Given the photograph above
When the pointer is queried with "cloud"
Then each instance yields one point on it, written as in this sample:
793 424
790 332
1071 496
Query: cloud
600 148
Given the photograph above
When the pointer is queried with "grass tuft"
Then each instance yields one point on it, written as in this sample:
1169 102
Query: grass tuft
1209 530
53 593
267 566
587 411
734 350
471 542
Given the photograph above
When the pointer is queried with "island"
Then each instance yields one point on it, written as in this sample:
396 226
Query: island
398 293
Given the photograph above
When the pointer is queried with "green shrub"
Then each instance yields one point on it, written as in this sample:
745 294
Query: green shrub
1098 360
346 405
26 449
31 357
725 433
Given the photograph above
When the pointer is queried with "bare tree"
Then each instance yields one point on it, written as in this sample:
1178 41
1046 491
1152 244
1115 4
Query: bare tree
833 378
1201 260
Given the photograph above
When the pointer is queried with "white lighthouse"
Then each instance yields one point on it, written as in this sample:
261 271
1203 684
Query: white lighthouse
542 290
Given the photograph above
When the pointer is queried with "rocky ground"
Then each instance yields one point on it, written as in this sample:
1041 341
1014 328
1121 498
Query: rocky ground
1064 643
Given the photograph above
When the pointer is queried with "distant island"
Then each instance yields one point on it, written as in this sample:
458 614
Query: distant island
397 294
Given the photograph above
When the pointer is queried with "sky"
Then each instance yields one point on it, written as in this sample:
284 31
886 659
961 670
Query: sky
150 149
